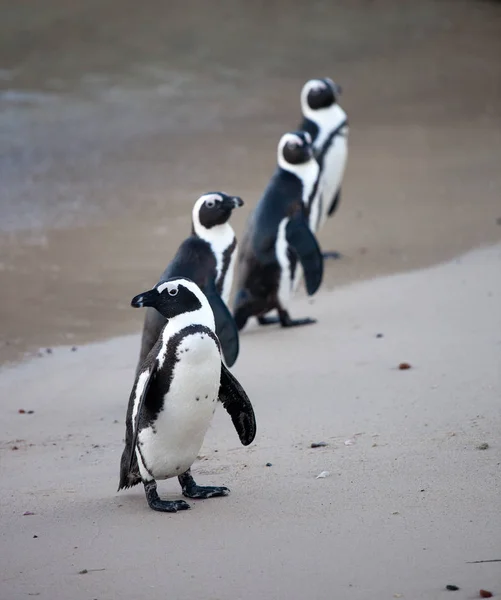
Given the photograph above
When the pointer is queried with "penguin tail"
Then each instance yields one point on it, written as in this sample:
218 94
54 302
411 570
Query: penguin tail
242 308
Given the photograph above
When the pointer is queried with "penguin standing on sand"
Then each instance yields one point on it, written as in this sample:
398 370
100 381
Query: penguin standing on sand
175 394
327 124
207 257
278 236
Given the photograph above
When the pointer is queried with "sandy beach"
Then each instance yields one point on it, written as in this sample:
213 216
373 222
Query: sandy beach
409 502
113 120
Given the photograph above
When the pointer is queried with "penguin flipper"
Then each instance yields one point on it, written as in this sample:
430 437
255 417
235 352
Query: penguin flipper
226 328
239 407
334 203
141 386
302 239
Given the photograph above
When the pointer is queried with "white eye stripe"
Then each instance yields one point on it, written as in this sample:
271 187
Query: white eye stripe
293 139
211 198
171 287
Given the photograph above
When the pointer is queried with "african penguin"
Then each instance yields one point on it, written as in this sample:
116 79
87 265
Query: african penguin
278 236
327 124
208 258
175 395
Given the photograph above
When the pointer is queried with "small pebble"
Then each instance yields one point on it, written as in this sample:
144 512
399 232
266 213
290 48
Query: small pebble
21 411
35 536
28 513
452 588
403 366
318 444
485 594
73 348
483 446
48 350
322 475
30 412
83 572
349 442
15 448
379 335
268 464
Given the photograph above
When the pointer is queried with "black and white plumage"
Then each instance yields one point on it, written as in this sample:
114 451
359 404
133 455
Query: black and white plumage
175 394
208 258
278 240
327 124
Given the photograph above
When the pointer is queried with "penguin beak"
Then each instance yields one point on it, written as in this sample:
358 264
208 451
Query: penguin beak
149 298
338 90
237 202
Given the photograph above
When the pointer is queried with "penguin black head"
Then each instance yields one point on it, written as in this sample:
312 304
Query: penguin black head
214 208
295 148
319 93
173 297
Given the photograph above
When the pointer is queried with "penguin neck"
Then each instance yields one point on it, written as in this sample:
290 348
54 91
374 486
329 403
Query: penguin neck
326 119
219 238
307 173
203 316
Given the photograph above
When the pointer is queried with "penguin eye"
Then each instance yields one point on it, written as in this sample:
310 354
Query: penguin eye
173 292
210 203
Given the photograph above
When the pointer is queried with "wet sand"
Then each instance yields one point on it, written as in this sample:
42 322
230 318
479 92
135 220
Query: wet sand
113 122
409 502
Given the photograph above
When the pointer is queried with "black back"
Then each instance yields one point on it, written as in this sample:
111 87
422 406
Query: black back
195 260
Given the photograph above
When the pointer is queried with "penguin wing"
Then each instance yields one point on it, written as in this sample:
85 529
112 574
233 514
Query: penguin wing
303 241
239 407
226 328
334 203
138 395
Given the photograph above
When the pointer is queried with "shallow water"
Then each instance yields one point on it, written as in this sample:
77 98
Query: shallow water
113 121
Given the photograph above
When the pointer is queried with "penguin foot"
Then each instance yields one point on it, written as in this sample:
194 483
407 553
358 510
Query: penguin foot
286 321
154 502
333 254
200 492
268 320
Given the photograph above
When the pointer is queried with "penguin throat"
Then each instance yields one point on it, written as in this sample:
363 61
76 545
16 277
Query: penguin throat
219 238
326 119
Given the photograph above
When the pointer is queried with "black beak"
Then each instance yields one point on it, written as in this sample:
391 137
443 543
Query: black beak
237 201
149 298
338 90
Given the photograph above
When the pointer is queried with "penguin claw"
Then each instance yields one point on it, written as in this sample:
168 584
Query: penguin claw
199 492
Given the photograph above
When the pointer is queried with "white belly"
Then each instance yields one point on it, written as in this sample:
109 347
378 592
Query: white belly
285 283
228 280
171 445
331 177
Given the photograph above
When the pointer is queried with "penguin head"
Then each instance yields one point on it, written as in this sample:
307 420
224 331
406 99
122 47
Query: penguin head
319 93
294 149
173 297
214 208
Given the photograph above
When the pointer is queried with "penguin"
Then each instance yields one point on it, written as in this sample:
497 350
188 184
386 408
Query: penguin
278 237
208 258
327 124
175 395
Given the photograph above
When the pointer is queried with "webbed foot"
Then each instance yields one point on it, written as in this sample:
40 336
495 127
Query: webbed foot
199 492
154 502
286 321
332 254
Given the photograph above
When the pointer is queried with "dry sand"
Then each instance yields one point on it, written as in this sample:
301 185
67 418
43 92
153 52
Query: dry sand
403 511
